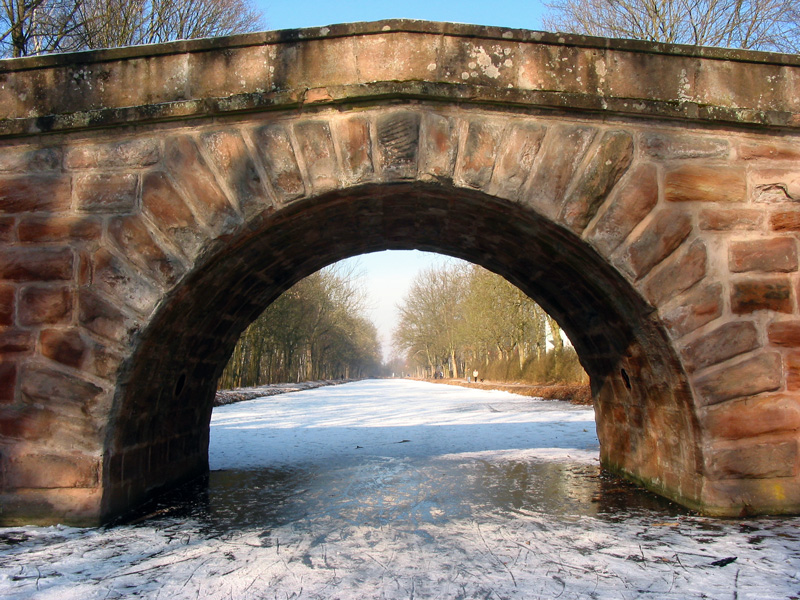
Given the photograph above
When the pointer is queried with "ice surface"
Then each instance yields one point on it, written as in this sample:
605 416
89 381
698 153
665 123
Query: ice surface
401 489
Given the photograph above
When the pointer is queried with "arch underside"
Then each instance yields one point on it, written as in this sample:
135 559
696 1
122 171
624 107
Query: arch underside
159 433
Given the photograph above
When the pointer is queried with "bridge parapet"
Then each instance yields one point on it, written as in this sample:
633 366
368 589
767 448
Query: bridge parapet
133 256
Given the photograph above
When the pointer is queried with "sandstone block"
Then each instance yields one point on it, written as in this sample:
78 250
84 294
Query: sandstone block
669 146
755 461
676 274
36 264
355 148
281 164
597 177
694 183
784 333
563 149
769 151
124 281
750 417
792 363
104 318
476 163
30 161
59 229
785 220
65 346
731 219
67 470
45 305
138 245
124 153
8 382
78 404
755 375
191 173
726 341
775 186
776 255
633 201
666 231
750 295
438 147
170 213
7 304
515 159
107 193
15 341
8 227
31 193
316 147
398 143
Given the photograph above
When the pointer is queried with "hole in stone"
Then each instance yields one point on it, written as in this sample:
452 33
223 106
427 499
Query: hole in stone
625 378
180 384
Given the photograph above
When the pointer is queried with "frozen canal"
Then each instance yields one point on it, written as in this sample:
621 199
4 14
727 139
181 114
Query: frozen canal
402 489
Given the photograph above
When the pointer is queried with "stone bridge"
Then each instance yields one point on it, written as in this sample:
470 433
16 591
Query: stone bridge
156 199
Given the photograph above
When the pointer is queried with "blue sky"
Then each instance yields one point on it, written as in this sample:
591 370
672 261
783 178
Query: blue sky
386 276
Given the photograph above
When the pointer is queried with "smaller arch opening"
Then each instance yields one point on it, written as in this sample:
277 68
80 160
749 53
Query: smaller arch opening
180 384
626 379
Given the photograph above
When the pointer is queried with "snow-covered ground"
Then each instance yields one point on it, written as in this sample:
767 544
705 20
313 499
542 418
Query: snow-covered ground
401 489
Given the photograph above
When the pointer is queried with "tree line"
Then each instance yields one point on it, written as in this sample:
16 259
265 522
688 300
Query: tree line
315 330
458 318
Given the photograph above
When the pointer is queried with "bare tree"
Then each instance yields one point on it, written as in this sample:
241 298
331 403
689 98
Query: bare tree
38 26
750 24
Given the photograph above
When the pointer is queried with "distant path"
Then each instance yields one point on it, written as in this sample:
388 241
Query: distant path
575 392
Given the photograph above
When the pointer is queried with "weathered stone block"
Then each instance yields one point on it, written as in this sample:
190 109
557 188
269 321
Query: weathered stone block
750 295
30 160
64 470
170 213
316 147
792 363
775 186
785 220
597 177
756 461
124 153
438 147
7 304
355 148
190 172
670 146
750 417
676 274
15 341
64 394
281 164
107 193
632 202
776 255
104 318
398 143
65 346
8 226
59 229
731 219
666 231
138 244
695 183
8 382
36 264
30 193
755 375
515 158
784 333
769 151
726 341
476 163
45 305
124 281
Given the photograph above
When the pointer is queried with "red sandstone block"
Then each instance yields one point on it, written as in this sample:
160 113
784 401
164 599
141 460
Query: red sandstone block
633 201
170 213
750 295
36 264
784 333
397 135
676 274
480 152
128 153
14 341
515 158
8 226
438 147
776 255
281 164
694 183
46 193
761 373
355 148
65 346
107 193
769 151
59 229
65 470
104 318
785 220
316 146
668 146
8 382
29 161
792 363
661 237
124 281
776 458
45 305
7 303
731 219
750 417
138 244
25 423
726 341
699 306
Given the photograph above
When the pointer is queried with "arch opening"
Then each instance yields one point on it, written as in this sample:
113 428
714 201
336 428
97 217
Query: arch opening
158 433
